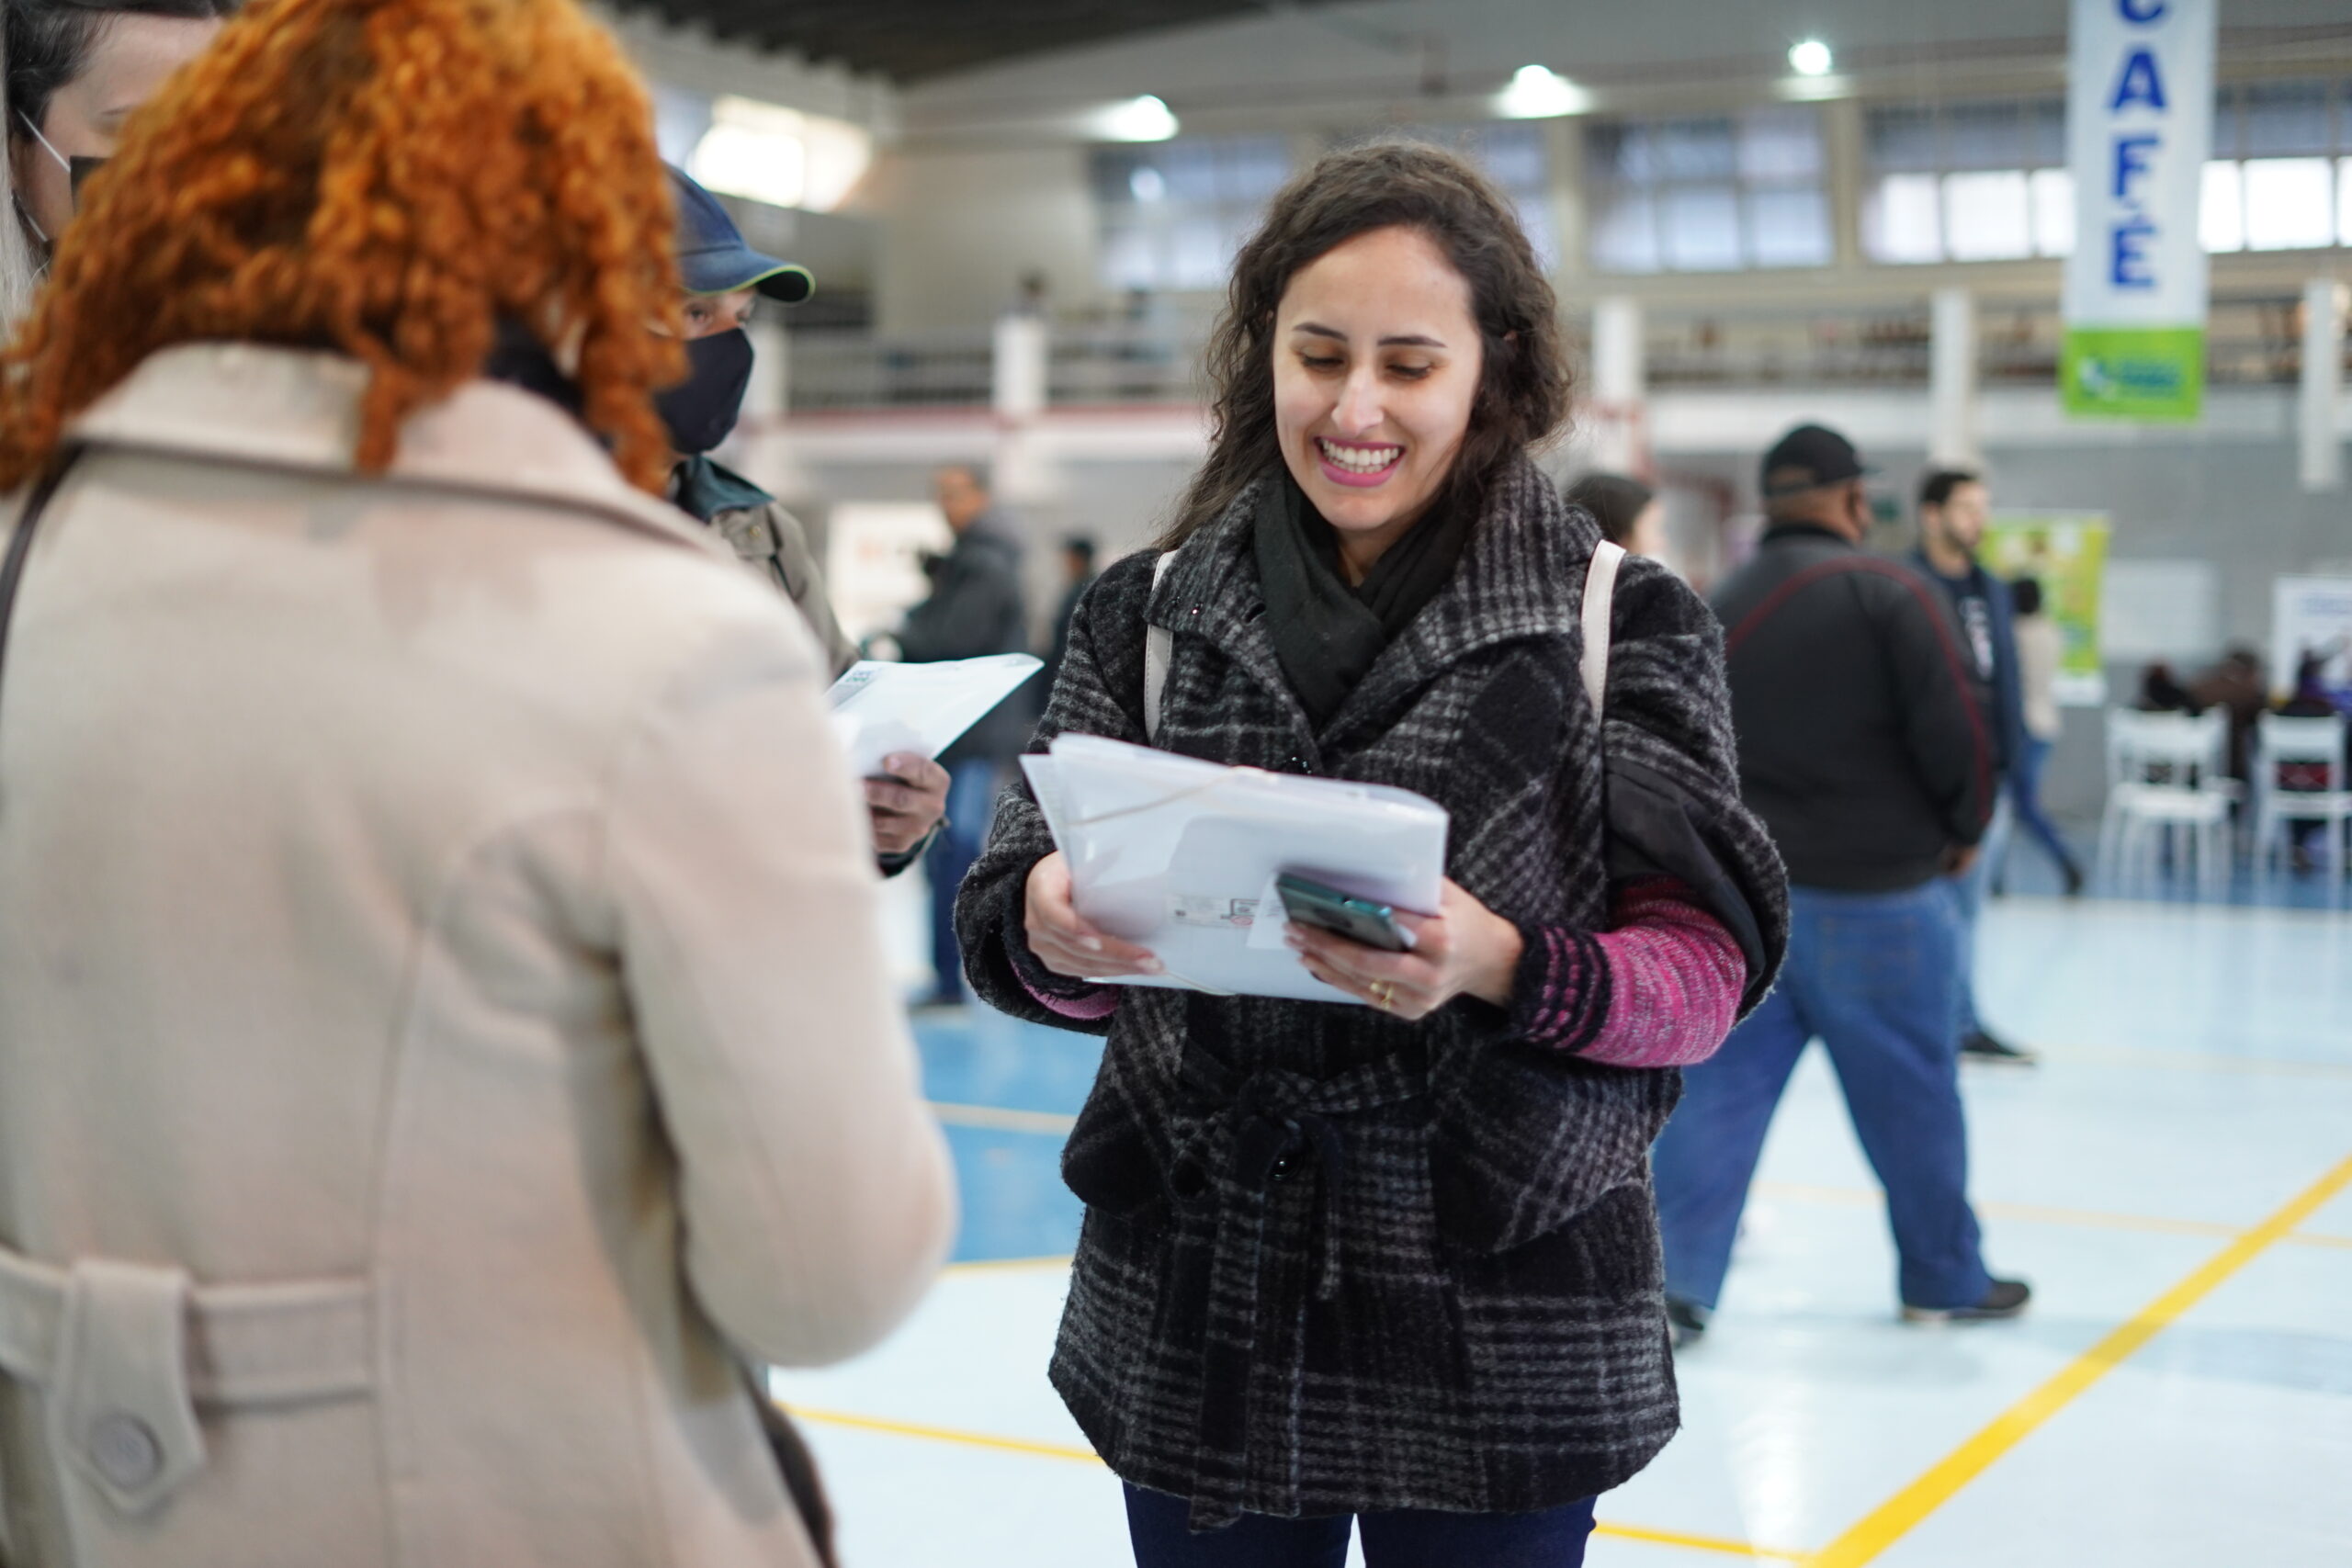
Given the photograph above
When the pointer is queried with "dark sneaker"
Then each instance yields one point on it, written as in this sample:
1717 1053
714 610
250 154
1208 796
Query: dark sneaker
2005 1299
1980 1046
1685 1321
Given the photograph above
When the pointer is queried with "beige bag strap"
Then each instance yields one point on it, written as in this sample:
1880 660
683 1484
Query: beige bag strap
1157 643
1599 589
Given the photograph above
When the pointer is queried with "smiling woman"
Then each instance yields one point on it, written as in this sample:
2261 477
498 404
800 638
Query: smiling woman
1328 1248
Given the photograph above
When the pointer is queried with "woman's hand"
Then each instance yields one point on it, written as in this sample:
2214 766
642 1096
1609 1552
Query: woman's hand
1062 939
907 801
1464 949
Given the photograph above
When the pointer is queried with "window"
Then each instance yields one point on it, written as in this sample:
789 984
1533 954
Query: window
1514 157
1964 182
1719 194
1988 181
1172 214
2281 174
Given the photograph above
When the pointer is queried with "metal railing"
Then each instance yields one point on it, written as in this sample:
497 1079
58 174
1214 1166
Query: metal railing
2250 342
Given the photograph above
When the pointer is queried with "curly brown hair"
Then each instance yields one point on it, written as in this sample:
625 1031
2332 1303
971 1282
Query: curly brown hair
1523 390
387 179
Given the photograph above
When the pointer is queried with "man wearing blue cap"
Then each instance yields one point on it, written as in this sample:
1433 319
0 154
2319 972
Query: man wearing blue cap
724 279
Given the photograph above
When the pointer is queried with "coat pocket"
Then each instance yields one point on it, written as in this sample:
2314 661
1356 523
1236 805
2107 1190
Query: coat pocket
1112 1162
1528 1139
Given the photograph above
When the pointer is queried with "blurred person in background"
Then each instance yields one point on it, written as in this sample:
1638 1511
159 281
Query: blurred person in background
1862 747
1630 514
74 69
723 280
443 1030
1078 572
2041 650
1393 1265
976 607
1954 507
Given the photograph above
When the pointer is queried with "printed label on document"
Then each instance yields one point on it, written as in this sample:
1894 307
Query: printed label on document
1195 909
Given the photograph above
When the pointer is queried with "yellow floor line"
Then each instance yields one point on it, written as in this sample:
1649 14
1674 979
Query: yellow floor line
1087 1455
1004 1119
1008 1265
1900 1514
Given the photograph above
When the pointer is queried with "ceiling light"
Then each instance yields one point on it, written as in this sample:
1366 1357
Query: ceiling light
1538 91
1810 58
1144 119
781 156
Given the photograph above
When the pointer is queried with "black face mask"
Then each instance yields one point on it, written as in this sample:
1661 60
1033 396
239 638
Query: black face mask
701 409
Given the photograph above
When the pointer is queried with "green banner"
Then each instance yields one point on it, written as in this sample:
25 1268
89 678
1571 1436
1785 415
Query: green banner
2066 553
2143 373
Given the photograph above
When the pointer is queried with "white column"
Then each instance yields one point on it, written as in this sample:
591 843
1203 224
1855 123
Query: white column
1618 433
2323 447
1019 380
1951 381
770 392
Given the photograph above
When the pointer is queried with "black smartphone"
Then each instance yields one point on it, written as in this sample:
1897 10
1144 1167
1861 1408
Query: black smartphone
1311 903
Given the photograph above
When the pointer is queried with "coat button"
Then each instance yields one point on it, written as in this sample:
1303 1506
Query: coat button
1285 1167
125 1450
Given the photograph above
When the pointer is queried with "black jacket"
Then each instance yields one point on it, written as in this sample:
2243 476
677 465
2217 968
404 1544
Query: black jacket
1333 1260
976 608
1861 743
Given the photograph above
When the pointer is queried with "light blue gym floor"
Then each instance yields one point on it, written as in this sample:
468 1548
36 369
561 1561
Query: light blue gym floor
2176 1179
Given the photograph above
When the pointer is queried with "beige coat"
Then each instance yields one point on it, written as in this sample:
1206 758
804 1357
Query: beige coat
442 1018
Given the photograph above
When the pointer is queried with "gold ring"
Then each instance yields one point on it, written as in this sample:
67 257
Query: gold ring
1384 996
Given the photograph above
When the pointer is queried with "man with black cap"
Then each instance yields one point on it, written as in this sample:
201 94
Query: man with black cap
724 279
1862 746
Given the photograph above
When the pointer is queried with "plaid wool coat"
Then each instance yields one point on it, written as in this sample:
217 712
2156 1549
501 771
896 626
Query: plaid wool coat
1332 1260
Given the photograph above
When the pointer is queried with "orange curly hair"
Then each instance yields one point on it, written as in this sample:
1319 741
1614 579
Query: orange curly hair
387 179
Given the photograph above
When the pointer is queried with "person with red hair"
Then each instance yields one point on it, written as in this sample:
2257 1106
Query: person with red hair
445 1036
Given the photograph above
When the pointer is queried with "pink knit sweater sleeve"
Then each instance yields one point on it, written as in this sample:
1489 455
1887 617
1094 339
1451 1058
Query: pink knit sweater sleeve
1660 988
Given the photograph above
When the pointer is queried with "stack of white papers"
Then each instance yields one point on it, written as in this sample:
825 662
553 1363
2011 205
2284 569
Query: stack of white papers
1181 856
882 708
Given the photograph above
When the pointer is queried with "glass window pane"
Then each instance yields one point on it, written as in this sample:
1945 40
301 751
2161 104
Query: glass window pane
1701 229
1788 227
1254 167
2343 202
1984 136
1543 236
2283 119
1780 144
1901 139
1902 221
1986 216
2228 139
1695 150
1129 259
1114 171
2045 133
2220 208
1619 154
1197 253
1513 157
1624 231
2053 212
1190 168
2287 203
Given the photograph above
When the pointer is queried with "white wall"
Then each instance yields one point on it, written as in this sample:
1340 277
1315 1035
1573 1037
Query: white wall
959 228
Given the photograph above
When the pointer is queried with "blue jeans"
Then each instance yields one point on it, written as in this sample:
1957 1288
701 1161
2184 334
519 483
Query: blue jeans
971 801
1871 975
1967 892
2025 789
1408 1538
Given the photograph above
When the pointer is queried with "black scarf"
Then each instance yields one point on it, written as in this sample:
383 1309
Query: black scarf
1325 634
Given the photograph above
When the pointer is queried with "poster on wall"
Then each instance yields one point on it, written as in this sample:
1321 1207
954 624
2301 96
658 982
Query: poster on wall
2312 617
2066 553
2138 128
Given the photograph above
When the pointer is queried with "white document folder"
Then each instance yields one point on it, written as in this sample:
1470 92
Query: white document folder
1181 856
880 708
